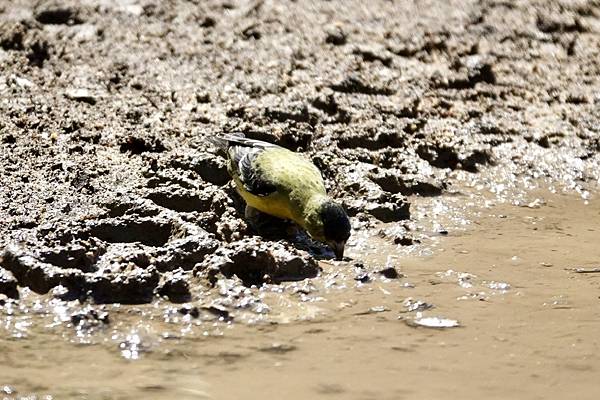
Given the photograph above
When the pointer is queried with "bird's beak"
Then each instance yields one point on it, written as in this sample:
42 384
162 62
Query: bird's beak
338 249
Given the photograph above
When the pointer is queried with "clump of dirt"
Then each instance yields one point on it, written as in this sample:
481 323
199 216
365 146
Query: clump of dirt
255 262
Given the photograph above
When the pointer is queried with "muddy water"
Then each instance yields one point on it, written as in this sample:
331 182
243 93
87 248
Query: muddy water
513 277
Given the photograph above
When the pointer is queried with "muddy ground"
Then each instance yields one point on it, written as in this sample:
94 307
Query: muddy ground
419 115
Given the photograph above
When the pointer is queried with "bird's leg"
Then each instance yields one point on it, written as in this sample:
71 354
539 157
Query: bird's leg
266 225
293 230
250 213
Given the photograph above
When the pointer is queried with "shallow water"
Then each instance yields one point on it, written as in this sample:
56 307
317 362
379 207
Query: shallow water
521 322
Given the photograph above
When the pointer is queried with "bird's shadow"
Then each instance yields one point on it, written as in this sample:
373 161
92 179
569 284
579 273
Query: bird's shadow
273 228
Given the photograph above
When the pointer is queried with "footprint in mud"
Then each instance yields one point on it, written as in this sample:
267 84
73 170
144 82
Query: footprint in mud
146 230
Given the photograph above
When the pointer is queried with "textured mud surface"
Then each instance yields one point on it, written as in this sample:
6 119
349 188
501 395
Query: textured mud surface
415 112
108 185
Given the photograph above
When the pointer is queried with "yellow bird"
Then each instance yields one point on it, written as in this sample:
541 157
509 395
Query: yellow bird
284 184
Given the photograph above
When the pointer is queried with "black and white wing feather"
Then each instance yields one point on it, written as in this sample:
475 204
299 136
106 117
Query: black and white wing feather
242 154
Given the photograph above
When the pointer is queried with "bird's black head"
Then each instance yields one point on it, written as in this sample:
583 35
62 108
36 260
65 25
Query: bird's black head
336 226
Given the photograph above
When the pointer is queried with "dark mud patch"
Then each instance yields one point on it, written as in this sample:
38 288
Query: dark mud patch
355 84
8 284
58 13
389 181
133 144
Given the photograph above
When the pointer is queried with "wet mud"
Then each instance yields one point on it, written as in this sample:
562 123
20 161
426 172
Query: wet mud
504 305
439 126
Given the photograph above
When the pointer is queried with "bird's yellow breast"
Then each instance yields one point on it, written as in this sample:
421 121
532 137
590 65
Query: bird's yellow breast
275 204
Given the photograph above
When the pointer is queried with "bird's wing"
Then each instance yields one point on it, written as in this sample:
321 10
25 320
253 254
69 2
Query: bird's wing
243 162
242 154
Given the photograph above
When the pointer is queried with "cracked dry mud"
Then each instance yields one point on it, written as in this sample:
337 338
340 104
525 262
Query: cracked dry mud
417 113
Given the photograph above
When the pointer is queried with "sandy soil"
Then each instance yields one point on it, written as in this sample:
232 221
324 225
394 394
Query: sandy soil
461 136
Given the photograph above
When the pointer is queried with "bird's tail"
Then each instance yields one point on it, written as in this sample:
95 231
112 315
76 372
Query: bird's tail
222 142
